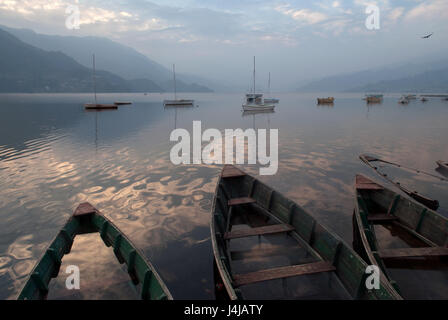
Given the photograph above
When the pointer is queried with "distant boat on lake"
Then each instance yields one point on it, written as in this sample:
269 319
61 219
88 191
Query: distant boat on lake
403 100
373 98
411 97
328 100
254 101
96 105
122 103
177 102
270 100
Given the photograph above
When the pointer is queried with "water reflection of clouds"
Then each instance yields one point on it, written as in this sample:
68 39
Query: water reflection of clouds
164 209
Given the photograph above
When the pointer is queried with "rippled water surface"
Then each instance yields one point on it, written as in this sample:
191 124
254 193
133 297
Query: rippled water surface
54 155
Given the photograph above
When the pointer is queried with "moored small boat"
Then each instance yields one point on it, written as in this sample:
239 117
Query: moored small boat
96 105
271 100
87 219
268 247
406 240
443 165
425 200
328 100
99 106
254 101
122 103
179 102
374 96
403 100
374 99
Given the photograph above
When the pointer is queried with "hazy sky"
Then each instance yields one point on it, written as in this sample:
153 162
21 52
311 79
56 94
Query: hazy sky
295 40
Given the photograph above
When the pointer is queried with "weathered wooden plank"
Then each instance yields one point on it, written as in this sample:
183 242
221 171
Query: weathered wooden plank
282 272
263 252
230 171
379 217
363 183
413 252
276 228
239 201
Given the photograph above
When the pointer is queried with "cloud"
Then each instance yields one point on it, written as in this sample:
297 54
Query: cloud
30 7
395 14
305 16
429 10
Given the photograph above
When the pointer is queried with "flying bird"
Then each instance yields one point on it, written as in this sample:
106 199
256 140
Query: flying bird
428 36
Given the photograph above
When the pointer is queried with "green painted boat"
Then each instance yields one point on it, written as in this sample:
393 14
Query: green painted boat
87 219
407 240
443 165
268 247
428 202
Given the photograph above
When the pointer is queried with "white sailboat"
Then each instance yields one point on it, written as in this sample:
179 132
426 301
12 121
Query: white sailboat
270 100
254 101
177 102
96 105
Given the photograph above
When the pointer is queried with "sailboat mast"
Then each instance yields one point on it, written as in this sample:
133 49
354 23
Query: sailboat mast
269 83
174 75
254 74
94 79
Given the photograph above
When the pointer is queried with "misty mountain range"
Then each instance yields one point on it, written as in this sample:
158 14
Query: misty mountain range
428 76
32 62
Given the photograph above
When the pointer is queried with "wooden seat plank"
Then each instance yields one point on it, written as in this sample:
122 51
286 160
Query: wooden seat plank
381 217
240 201
413 252
230 171
282 272
276 228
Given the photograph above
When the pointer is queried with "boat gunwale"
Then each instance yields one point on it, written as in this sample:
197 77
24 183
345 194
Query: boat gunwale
224 272
366 244
92 226
400 223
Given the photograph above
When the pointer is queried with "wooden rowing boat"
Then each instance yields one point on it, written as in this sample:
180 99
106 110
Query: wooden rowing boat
87 219
328 100
427 201
374 99
394 232
443 165
268 247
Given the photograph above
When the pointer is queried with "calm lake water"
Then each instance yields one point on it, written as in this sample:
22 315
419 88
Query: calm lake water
54 155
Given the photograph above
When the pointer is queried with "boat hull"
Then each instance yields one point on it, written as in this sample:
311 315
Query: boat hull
96 106
87 219
375 204
258 107
323 248
443 165
271 100
178 102
325 100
